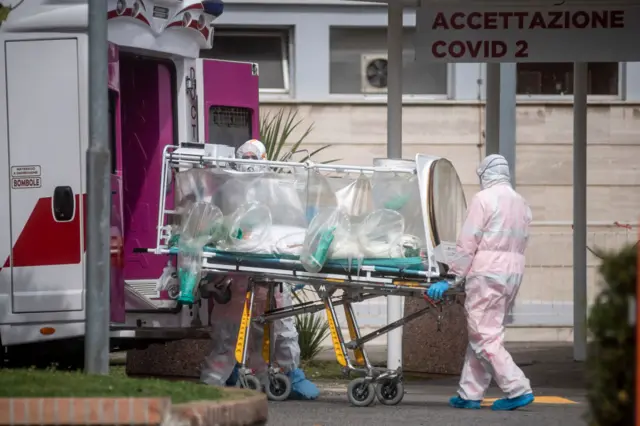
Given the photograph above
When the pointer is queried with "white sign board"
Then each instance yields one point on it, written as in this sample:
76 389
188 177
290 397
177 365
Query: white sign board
25 177
532 34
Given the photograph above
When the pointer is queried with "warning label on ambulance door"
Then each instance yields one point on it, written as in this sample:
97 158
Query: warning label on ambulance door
26 177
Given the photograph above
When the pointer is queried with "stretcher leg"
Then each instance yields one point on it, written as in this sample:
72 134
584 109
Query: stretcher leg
361 391
389 389
246 378
278 386
354 333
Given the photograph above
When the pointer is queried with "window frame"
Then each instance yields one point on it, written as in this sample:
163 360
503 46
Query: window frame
622 77
284 34
382 97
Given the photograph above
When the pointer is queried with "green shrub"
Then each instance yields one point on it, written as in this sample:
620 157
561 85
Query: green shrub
312 330
611 362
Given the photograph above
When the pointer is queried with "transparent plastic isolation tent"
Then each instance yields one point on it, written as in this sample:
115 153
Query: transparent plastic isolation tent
500 119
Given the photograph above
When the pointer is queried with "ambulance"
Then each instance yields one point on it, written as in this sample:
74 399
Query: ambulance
160 94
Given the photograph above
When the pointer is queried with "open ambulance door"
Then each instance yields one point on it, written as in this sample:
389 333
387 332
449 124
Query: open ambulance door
229 102
117 304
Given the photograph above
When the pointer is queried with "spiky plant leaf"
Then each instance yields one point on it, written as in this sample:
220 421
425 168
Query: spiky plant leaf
276 130
312 330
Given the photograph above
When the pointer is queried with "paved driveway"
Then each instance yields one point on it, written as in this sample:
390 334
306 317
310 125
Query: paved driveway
426 404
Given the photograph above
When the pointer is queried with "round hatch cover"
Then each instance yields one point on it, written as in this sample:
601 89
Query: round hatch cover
447 202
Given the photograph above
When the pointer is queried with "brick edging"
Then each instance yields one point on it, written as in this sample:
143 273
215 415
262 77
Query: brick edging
249 410
241 412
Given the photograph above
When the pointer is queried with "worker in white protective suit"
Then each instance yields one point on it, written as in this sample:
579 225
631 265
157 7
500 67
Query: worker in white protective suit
490 256
225 319
220 367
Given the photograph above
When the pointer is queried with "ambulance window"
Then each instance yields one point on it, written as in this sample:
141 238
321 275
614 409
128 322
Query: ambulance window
229 125
112 132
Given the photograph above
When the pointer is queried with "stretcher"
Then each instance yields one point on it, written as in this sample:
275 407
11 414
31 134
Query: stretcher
352 233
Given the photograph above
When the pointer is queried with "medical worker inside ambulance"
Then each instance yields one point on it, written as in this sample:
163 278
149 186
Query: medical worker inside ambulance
490 258
220 365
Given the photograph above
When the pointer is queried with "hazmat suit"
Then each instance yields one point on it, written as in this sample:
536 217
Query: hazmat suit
490 255
219 366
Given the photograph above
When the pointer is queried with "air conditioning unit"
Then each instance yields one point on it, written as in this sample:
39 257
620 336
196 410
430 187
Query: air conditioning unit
373 72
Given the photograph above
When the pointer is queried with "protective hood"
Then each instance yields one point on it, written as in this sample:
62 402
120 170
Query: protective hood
493 170
251 150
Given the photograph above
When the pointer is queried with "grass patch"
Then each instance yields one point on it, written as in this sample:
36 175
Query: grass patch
51 383
323 370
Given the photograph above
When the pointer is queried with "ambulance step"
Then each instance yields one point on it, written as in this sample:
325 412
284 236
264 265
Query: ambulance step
147 288
135 300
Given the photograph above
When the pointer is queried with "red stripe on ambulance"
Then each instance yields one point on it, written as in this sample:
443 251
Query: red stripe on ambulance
45 242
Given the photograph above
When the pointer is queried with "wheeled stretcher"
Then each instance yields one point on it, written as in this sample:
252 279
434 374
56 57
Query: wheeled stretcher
348 233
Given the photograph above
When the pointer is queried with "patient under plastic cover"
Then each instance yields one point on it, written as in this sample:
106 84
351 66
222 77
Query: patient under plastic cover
308 216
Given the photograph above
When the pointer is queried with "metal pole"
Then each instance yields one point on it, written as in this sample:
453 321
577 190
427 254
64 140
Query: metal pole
580 211
395 304
507 125
98 197
492 115
637 324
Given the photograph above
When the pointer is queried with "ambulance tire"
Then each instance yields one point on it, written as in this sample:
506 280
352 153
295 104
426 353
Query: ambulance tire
3 356
63 355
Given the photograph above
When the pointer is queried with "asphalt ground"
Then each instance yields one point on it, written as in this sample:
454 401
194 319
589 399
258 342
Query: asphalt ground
426 404
558 384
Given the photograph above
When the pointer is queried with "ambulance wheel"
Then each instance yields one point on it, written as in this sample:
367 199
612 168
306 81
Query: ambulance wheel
279 387
390 392
251 382
360 392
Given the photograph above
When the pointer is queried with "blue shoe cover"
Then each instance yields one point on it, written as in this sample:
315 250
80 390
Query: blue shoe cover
301 387
508 404
457 402
233 378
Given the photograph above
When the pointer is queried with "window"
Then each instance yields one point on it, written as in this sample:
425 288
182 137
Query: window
268 48
358 64
229 125
557 78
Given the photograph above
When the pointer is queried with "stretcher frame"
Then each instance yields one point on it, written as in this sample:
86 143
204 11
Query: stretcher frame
383 384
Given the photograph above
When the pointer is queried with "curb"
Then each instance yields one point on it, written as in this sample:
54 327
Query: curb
83 411
250 411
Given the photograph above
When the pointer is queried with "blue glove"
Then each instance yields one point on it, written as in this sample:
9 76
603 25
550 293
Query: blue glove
436 290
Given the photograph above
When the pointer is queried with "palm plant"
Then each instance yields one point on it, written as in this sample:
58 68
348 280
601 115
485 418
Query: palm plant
312 331
277 129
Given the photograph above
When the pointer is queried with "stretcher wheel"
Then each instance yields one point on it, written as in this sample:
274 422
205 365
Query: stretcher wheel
360 392
251 382
279 387
390 392
222 296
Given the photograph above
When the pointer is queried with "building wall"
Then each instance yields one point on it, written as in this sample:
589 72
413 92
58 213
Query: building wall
308 24
544 164
452 126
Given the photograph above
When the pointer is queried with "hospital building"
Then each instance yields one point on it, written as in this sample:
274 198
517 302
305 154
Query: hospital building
323 58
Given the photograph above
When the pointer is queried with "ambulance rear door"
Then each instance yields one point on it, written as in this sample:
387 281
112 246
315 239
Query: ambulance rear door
45 182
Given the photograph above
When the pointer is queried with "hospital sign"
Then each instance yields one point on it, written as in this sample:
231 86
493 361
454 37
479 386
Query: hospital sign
518 34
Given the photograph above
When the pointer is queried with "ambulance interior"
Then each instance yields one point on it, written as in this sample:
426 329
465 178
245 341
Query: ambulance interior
143 122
